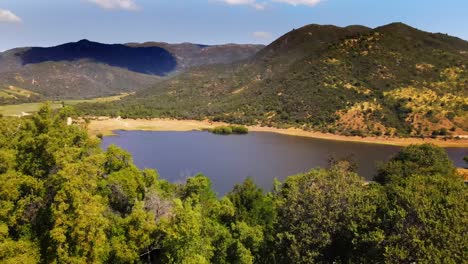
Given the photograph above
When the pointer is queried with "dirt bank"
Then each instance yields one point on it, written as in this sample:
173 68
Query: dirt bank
106 126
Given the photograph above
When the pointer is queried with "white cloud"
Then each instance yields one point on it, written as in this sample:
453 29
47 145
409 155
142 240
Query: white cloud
262 5
299 2
252 3
8 16
129 5
262 35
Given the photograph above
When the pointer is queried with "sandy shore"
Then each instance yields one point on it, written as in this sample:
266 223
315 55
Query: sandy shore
106 126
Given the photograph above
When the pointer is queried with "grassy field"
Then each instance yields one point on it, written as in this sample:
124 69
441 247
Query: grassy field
98 100
18 109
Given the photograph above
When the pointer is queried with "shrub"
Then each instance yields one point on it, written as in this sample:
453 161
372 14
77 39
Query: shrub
357 132
239 129
377 133
450 115
440 132
443 131
227 130
222 130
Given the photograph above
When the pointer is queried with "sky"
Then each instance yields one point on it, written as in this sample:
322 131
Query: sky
53 22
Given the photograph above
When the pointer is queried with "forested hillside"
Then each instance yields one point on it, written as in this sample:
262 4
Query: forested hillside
64 200
393 80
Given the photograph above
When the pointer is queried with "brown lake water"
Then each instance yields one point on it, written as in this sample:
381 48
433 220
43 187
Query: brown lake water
228 160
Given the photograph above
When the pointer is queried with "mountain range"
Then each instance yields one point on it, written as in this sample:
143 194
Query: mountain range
391 80
87 69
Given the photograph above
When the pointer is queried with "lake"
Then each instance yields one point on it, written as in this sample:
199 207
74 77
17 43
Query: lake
228 160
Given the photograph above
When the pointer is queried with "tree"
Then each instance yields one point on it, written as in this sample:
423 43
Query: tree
252 206
41 143
134 237
255 210
328 216
186 240
425 159
426 215
427 220
79 225
124 188
117 159
198 188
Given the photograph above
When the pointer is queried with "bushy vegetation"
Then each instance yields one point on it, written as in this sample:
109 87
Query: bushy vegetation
239 129
393 80
64 200
231 129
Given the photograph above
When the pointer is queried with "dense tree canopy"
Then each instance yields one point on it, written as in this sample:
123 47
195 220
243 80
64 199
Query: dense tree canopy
424 159
65 200
329 216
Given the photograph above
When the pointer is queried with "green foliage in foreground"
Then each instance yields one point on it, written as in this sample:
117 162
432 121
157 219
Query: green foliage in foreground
231 129
64 200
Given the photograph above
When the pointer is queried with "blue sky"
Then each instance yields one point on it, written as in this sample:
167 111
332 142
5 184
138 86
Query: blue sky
51 22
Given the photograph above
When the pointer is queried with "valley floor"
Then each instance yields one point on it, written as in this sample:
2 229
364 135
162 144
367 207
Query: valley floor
106 126
29 108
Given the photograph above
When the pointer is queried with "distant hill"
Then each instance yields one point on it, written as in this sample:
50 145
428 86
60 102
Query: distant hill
86 69
391 80
189 55
147 60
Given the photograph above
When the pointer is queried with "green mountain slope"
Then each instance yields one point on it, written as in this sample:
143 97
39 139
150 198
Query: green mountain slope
75 80
393 80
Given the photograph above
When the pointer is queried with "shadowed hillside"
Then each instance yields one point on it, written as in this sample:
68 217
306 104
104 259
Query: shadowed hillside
189 55
392 80
147 60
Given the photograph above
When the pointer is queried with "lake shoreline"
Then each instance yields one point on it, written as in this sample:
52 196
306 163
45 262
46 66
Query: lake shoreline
106 127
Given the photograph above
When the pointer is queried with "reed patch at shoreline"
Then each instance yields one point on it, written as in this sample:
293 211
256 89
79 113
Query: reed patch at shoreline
228 130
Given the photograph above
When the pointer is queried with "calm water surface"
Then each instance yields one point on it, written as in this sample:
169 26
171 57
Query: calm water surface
228 160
